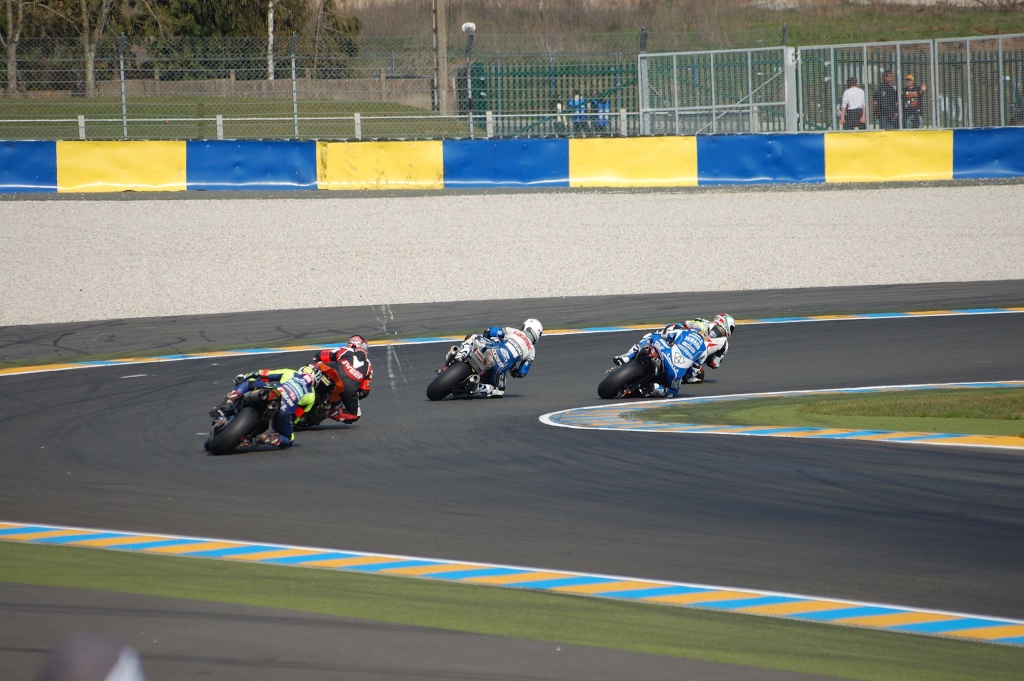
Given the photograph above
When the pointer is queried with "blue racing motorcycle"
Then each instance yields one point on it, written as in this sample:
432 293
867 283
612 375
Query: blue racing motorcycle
658 359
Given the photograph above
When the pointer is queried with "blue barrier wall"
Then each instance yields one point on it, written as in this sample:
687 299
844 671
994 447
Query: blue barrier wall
987 153
28 167
480 164
251 165
747 159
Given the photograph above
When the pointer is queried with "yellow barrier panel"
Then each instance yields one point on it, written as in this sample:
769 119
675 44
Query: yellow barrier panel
121 166
380 165
891 156
634 162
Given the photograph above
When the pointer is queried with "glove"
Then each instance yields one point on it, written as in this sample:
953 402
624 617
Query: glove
522 370
620 360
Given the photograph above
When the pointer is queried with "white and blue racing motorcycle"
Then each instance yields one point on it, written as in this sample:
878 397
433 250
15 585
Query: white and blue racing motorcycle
657 366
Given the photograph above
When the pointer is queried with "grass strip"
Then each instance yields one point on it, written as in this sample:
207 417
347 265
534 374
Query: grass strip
974 411
773 643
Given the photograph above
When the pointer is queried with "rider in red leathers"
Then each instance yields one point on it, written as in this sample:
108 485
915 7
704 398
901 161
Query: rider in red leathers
356 374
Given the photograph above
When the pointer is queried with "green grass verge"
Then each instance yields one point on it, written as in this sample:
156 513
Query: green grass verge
839 652
176 118
970 411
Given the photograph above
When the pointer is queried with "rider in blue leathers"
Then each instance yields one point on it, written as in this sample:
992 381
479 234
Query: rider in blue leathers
510 351
714 341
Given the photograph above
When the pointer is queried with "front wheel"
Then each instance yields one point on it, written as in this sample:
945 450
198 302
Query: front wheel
446 381
619 379
229 437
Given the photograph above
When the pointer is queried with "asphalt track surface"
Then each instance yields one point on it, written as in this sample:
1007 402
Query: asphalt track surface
484 480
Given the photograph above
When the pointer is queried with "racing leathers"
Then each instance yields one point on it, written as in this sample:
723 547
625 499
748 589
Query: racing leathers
356 375
675 335
503 350
288 393
715 336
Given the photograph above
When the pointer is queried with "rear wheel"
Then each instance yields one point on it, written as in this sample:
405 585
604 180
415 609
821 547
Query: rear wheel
442 386
619 378
232 434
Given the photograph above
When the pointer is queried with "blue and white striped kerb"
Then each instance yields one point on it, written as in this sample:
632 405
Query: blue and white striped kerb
624 416
743 601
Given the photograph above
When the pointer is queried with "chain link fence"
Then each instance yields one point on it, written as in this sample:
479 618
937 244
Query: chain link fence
346 87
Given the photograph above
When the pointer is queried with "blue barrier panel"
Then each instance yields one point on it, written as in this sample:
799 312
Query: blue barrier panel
746 159
28 166
991 152
251 165
506 163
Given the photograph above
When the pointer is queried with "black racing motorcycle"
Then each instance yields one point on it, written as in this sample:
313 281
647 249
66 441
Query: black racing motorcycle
235 431
462 370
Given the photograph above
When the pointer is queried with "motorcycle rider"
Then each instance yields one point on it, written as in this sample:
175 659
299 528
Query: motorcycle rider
510 350
356 375
721 327
286 401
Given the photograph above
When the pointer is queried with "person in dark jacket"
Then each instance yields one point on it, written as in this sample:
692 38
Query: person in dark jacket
887 103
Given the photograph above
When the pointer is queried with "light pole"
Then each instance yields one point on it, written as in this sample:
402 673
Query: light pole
469 28
441 55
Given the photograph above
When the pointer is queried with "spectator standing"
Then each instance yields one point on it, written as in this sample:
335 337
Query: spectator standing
560 126
578 108
887 103
852 112
912 100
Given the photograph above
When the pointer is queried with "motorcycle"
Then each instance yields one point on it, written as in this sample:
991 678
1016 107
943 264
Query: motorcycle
657 361
233 431
462 370
230 432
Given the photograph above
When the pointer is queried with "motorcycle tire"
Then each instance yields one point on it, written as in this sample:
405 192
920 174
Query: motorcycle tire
446 381
234 432
619 379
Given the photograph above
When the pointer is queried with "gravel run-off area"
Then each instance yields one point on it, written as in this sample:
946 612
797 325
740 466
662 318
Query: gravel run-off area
128 256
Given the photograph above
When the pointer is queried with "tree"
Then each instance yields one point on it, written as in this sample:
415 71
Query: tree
90 18
14 22
333 39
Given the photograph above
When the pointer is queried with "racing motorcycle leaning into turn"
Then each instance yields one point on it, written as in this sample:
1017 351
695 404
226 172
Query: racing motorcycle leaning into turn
660 364
478 366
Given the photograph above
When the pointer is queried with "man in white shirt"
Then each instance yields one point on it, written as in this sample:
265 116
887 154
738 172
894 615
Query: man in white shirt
853 113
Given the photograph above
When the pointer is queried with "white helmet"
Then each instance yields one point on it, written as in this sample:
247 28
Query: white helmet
533 328
727 323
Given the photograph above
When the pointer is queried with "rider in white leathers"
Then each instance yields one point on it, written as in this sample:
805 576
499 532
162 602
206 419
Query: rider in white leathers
504 350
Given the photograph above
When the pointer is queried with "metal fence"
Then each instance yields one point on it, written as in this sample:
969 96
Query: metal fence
344 87
957 82
718 91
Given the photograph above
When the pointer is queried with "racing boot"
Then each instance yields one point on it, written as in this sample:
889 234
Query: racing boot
339 414
272 439
695 376
652 390
227 406
487 390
